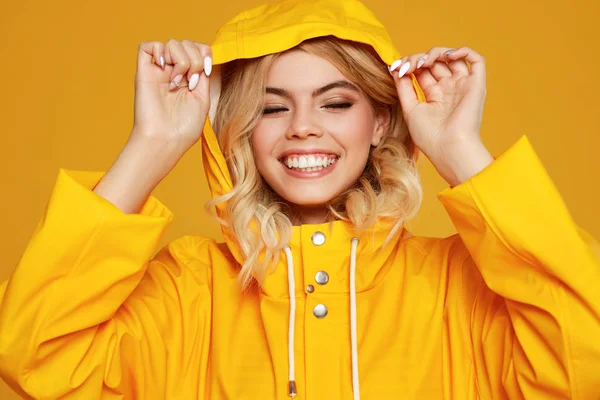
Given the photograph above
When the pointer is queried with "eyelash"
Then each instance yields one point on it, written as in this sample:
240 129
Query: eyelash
333 106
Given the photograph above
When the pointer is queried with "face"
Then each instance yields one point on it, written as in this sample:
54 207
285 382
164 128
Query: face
313 140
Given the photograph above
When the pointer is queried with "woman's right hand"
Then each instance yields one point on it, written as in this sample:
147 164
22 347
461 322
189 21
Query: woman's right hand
172 92
169 118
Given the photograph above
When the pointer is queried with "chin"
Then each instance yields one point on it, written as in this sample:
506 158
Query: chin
314 200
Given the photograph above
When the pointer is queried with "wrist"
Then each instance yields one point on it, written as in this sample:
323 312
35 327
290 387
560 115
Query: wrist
155 146
139 168
461 161
152 157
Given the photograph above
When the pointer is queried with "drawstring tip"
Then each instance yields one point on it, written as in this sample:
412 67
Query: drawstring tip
292 389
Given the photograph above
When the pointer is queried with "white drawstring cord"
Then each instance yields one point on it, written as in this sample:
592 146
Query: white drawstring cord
353 335
292 291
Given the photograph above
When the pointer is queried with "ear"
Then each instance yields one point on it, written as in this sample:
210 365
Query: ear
382 125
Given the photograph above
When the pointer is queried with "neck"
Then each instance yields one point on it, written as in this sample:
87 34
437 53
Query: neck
306 215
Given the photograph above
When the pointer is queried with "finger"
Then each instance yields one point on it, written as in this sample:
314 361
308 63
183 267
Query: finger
147 52
410 64
176 55
206 55
458 67
475 61
196 63
158 54
440 70
423 57
396 64
417 60
425 79
455 61
205 52
406 93
434 55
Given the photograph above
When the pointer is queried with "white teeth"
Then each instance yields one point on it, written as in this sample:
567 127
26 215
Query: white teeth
302 162
309 163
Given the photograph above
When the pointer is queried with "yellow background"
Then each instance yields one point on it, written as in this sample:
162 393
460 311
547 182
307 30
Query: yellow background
67 72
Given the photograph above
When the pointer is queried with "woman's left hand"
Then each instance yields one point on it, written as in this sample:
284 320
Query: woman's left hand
446 127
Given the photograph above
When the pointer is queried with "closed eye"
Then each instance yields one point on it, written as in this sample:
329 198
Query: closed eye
338 105
274 110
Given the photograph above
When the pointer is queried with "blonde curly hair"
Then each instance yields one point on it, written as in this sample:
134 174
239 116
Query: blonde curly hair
388 189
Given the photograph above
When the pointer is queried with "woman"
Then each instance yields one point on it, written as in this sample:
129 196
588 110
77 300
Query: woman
318 291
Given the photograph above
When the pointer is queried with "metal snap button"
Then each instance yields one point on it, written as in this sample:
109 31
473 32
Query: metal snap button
320 311
318 238
321 277
310 288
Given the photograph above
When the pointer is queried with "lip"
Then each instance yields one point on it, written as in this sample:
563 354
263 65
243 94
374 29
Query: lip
312 174
307 152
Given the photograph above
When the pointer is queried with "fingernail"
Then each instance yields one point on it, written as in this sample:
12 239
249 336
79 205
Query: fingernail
403 70
175 82
422 61
162 62
193 81
207 66
395 65
449 52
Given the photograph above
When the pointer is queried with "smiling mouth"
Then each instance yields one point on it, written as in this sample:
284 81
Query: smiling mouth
309 163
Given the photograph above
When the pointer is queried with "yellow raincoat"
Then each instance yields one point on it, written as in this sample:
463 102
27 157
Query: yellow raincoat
507 308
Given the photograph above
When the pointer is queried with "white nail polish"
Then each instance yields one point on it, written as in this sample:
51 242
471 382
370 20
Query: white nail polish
422 60
403 70
207 66
162 62
193 81
395 65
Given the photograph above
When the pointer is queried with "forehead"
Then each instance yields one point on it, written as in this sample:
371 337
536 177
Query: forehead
297 70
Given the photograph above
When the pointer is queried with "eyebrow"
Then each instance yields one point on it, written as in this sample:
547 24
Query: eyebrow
317 92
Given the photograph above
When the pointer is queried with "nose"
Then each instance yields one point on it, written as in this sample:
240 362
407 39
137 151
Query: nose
304 124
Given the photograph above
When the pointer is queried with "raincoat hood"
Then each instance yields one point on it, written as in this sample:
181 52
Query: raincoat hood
274 28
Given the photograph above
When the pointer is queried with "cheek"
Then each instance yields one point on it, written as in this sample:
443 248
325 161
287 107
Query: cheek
355 131
263 141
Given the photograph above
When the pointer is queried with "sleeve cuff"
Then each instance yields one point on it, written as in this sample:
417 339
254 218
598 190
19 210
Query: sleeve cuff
80 185
517 200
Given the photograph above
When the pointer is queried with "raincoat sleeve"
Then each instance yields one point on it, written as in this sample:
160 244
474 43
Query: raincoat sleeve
535 316
90 312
